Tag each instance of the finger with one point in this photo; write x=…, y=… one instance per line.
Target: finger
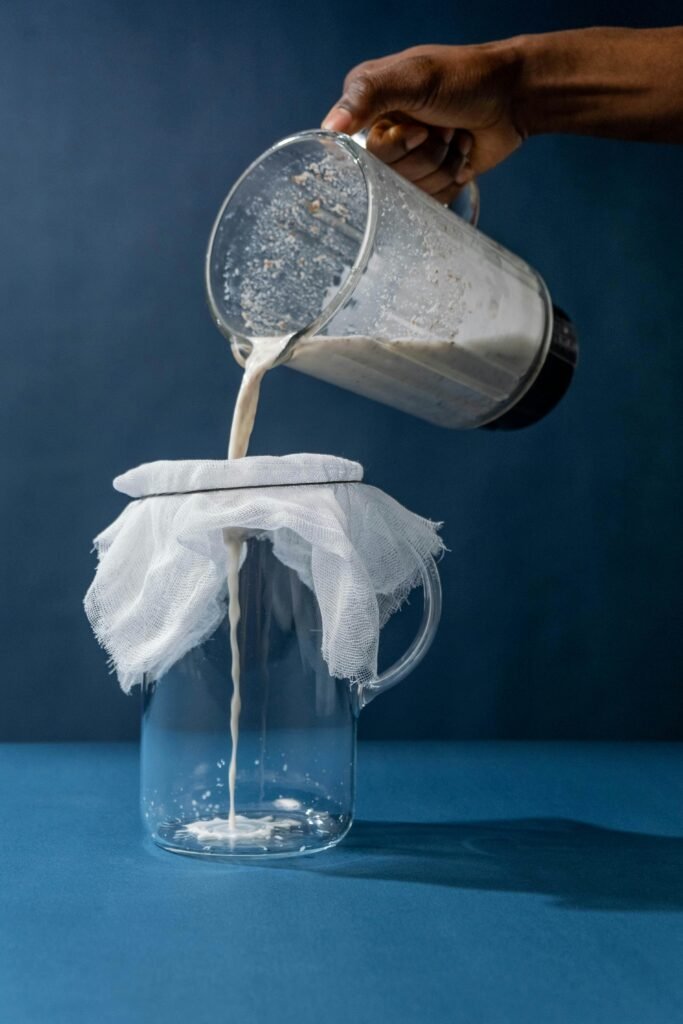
x=435, y=182
x=390, y=142
x=424, y=160
x=466, y=174
x=339, y=120
x=453, y=164
x=446, y=134
x=404, y=82
x=449, y=194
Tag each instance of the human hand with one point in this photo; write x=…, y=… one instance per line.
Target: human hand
x=440, y=115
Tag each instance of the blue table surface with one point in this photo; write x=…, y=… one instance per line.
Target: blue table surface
x=482, y=882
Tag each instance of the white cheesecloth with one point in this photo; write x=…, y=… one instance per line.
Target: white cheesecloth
x=160, y=586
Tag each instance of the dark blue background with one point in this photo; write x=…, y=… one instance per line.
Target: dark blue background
x=122, y=127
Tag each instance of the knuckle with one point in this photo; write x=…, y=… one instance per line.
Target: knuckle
x=360, y=85
x=377, y=139
x=424, y=70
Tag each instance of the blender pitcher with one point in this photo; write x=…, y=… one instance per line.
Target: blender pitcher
x=296, y=751
x=382, y=290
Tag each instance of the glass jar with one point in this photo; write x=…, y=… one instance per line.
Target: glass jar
x=296, y=749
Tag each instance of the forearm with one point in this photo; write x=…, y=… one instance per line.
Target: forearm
x=609, y=82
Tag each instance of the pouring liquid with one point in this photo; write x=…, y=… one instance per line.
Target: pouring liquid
x=263, y=356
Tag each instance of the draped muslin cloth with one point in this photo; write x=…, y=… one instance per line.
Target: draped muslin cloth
x=160, y=585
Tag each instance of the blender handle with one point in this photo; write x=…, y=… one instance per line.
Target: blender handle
x=466, y=204
x=431, y=587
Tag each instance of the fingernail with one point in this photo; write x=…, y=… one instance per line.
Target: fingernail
x=338, y=120
x=414, y=137
x=446, y=134
x=465, y=143
x=464, y=175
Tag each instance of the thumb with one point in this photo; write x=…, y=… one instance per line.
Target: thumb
x=378, y=88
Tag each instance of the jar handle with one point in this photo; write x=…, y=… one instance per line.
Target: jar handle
x=431, y=588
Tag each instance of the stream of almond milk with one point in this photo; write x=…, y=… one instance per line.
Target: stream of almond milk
x=262, y=358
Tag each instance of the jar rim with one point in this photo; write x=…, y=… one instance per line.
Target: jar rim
x=241, y=343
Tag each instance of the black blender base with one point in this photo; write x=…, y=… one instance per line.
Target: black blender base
x=552, y=381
